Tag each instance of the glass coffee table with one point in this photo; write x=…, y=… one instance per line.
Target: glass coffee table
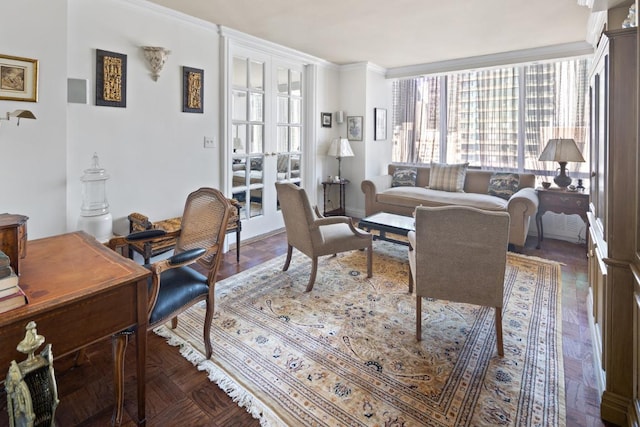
x=388, y=223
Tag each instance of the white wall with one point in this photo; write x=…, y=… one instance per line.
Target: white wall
x=33, y=155
x=363, y=87
x=153, y=151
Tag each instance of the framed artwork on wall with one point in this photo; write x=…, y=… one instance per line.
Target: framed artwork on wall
x=380, y=129
x=354, y=128
x=192, y=90
x=111, y=79
x=18, y=78
x=326, y=120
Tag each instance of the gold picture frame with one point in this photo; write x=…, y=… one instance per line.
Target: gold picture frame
x=111, y=79
x=18, y=78
x=192, y=90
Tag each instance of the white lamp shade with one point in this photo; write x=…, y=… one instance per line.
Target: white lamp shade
x=561, y=150
x=340, y=147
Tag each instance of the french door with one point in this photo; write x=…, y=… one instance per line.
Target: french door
x=265, y=139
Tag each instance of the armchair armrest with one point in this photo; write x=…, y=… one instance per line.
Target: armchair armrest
x=328, y=220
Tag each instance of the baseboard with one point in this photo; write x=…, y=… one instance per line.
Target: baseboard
x=613, y=408
x=596, y=340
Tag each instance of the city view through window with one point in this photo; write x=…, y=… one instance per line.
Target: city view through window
x=497, y=119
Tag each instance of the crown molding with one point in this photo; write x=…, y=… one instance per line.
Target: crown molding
x=565, y=50
x=271, y=48
x=154, y=7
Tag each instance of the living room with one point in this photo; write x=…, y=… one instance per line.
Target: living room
x=152, y=151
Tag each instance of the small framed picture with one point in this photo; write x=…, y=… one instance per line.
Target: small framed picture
x=111, y=79
x=18, y=79
x=354, y=128
x=192, y=90
x=326, y=120
x=380, y=129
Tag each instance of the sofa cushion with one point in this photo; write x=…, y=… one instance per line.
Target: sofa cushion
x=415, y=196
x=448, y=177
x=404, y=177
x=503, y=184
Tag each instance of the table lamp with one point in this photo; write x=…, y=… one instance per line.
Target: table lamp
x=561, y=151
x=340, y=148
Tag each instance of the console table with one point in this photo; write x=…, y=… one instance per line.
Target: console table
x=560, y=201
x=79, y=292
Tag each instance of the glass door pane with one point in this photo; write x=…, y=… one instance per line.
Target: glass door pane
x=247, y=132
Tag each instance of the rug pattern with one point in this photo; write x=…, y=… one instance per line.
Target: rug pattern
x=345, y=354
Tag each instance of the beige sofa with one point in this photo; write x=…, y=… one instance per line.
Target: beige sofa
x=380, y=196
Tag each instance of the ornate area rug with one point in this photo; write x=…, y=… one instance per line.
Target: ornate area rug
x=345, y=354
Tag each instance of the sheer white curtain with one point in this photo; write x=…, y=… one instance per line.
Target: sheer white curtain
x=498, y=119
x=556, y=108
x=482, y=118
x=416, y=116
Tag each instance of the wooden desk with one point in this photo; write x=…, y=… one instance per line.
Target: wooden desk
x=79, y=292
x=560, y=201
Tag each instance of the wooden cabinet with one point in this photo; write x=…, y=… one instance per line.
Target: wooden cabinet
x=613, y=218
x=13, y=238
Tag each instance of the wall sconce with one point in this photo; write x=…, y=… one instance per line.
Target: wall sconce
x=340, y=117
x=156, y=57
x=20, y=114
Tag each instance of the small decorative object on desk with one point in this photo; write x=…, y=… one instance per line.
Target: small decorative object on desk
x=11, y=295
x=546, y=185
x=32, y=394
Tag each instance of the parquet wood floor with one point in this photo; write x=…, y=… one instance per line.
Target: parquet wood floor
x=179, y=395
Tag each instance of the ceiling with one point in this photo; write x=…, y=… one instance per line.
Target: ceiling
x=397, y=33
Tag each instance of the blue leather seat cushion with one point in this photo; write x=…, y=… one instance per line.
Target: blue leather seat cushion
x=178, y=287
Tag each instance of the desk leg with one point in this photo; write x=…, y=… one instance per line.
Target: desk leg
x=141, y=349
x=540, y=230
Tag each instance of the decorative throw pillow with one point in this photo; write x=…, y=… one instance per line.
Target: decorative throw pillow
x=404, y=177
x=503, y=184
x=448, y=177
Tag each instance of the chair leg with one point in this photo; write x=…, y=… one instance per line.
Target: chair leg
x=418, y=318
x=288, y=260
x=208, y=318
x=237, y=244
x=314, y=270
x=119, y=347
x=174, y=322
x=370, y=260
x=499, y=331
x=410, y=281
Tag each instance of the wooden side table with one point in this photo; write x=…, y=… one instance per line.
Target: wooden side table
x=560, y=201
x=326, y=186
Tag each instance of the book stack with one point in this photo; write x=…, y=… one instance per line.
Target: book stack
x=11, y=295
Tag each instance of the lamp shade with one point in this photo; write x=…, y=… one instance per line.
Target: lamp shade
x=561, y=150
x=340, y=147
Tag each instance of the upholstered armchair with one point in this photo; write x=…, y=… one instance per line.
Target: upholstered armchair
x=315, y=235
x=174, y=285
x=459, y=254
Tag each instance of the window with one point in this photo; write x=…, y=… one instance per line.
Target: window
x=498, y=119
